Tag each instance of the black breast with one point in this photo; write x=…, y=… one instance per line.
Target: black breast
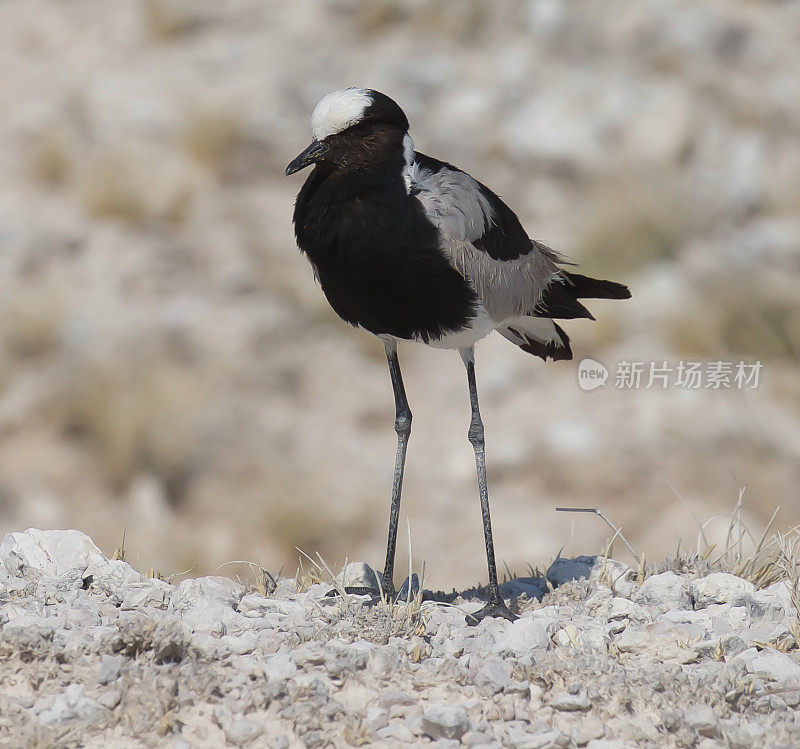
x=377, y=256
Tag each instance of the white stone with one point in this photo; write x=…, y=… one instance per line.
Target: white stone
x=594, y=638
x=494, y=676
x=150, y=592
x=376, y=718
x=207, y=592
x=253, y=605
x=445, y=722
x=240, y=732
x=73, y=703
x=664, y=592
x=240, y=644
x=620, y=577
x=719, y=588
x=522, y=636
x=623, y=608
x=570, y=703
x=110, y=698
x=279, y=666
x=775, y=665
x=703, y=719
x=110, y=668
x=46, y=552
x=588, y=729
x=608, y=744
x=632, y=640
x=112, y=576
x=358, y=575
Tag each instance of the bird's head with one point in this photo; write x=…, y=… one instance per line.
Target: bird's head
x=353, y=128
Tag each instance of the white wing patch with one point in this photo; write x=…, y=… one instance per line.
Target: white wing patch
x=452, y=200
x=456, y=205
x=539, y=329
x=339, y=110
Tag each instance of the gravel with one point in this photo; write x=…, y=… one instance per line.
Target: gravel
x=672, y=662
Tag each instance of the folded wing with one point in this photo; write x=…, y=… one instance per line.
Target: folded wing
x=519, y=281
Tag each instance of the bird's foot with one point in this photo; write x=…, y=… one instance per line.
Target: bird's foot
x=495, y=607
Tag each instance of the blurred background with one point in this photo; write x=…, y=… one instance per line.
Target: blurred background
x=168, y=365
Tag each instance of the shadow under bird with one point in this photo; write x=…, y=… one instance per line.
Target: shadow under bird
x=411, y=248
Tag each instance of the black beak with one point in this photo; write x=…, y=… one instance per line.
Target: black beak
x=311, y=155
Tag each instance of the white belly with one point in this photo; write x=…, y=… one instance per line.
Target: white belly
x=480, y=326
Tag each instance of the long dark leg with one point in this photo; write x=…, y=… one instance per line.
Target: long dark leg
x=402, y=425
x=495, y=606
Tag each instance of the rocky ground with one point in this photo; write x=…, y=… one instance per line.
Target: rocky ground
x=96, y=654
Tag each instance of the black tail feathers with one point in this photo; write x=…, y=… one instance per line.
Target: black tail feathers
x=584, y=287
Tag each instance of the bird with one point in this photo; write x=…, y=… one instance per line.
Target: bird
x=411, y=248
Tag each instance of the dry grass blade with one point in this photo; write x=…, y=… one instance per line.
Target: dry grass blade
x=119, y=551
x=689, y=510
x=788, y=562
x=322, y=569
x=265, y=582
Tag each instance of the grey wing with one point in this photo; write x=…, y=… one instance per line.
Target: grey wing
x=484, y=239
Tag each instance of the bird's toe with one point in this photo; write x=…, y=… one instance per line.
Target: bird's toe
x=496, y=608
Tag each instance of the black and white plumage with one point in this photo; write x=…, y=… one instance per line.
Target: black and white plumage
x=412, y=248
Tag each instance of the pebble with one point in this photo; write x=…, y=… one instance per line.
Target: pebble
x=376, y=718
x=278, y=667
x=776, y=666
x=664, y=591
x=570, y=703
x=240, y=732
x=633, y=639
x=522, y=636
x=110, y=667
x=588, y=729
x=719, y=588
x=358, y=575
x=493, y=677
x=620, y=577
x=445, y=722
x=703, y=719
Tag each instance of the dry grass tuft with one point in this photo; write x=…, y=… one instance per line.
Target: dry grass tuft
x=787, y=560
x=763, y=560
x=260, y=580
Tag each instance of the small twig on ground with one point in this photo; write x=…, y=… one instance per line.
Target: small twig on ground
x=602, y=516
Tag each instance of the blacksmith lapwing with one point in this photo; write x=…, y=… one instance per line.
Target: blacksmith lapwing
x=411, y=248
